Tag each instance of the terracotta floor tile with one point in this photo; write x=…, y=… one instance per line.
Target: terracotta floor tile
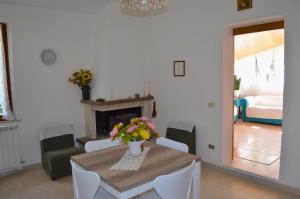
x=258, y=142
x=215, y=184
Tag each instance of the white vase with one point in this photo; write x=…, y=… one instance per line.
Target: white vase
x=236, y=93
x=135, y=148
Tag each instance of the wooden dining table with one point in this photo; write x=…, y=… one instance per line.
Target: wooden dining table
x=122, y=184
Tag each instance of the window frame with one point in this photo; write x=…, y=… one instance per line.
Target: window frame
x=6, y=59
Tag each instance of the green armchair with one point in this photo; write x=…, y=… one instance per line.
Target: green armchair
x=56, y=151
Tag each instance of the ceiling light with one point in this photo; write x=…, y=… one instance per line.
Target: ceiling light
x=143, y=5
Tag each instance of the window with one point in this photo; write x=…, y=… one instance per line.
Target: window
x=5, y=84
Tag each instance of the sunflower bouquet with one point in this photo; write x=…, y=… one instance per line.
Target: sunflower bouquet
x=139, y=129
x=82, y=78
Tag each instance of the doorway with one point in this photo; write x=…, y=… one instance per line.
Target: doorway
x=258, y=98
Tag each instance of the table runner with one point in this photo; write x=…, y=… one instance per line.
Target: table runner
x=129, y=162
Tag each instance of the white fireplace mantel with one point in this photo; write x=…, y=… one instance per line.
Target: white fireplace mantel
x=90, y=108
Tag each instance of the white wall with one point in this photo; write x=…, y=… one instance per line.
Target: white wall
x=193, y=30
x=123, y=53
x=43, y=96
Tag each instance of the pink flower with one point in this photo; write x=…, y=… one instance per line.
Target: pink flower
x=145, y=119
x=151, y=125
x=131, y=129
x=114, y=132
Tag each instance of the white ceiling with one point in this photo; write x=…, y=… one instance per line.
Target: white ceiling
x=86, y=6
x=251, y=43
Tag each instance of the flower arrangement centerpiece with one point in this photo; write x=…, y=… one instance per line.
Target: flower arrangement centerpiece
x=82, y=78
x=134, y=134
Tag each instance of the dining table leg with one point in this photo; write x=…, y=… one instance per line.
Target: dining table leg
x=197, y=181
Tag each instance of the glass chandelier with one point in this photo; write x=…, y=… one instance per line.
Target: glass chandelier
x=143, y=5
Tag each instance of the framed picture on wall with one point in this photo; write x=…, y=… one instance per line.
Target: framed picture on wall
x=244, y=4
x=179, y=68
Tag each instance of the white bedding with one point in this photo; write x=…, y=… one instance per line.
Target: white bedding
x=268, y=112
x=264, y=106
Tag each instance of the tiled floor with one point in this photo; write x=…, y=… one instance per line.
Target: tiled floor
x=35, y=184
x=259, y=142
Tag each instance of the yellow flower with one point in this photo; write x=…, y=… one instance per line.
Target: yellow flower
x=86, y=76
x=135, y=134
x=135, y=120
x=76, y=74
x=144, y=134
x=118, y=126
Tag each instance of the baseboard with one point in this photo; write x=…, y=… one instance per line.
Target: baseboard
x=257, y=179
x=32, y=166
x=5, y=172
x=19, y=169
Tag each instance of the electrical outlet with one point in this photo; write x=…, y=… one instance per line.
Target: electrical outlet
x=211, y=146
x=211, y=105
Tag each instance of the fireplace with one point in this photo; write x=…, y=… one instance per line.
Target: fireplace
x=106, y=120
x=100, y=117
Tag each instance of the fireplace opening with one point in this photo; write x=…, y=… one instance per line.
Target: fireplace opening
x=105, y=120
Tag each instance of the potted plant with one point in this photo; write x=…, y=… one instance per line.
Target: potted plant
x=237, y=84
x=134, y=134
x=82, y=78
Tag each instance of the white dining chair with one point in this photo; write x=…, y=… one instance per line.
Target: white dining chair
x=172, y=186
x=86, y=184
x=100, y=144
x=172, y=144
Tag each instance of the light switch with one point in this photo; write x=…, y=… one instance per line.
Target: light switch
x=211, y=105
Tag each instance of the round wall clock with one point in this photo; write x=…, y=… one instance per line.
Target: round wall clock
x=48, y=56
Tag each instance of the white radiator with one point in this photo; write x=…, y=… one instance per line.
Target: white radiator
x=10, y=158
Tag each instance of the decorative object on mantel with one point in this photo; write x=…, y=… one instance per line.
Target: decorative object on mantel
x=134, y=134
x=147, y=90
x=48, y=56
x=179, y=68
x=137, y=95
x=244, y=4
x=143, y=5
x=82, y=79
x=100, y=100
x=154, y=112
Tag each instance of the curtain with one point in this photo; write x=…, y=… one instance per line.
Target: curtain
x=4, y=98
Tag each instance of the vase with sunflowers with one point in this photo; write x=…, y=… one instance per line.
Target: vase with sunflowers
x=134, y=134
x=82, y=78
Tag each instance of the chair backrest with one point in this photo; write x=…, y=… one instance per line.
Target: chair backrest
x=100, y=144
x=57, y=137
x=175, y=186
x=57, y=143
x=184, y=132
x=172, y=144
x=85, y=183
